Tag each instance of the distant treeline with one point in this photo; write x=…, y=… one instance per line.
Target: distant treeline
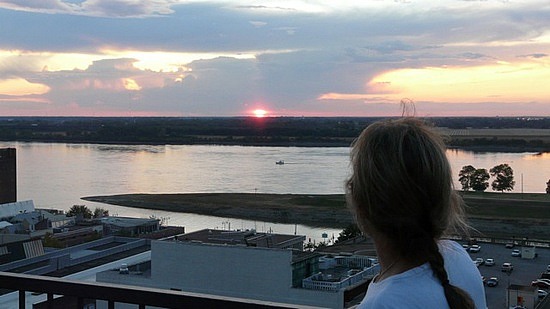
x=272, y=131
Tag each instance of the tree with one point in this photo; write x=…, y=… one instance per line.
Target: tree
x=504, y=178
x=479, y=180
x=465, y=177
x=548, y=187
x=79, y=211
x=348, y=232
x=100, y=212
x=52, y=242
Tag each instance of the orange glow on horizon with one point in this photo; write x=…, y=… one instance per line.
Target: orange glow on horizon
x=501, y=81
x=20, y=87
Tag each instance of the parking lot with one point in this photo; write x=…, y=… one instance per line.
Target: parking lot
x=525, y=270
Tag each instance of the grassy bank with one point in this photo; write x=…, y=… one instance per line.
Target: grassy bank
x=493, y=214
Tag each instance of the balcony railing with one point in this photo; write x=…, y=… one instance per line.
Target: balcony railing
x=116, y=293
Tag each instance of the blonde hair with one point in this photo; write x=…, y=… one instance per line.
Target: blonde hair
x=402, y=186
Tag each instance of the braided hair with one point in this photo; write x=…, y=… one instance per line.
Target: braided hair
x=402, y=186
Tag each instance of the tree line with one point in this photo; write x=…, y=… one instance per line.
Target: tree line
x=477, y=179
x=272, y=131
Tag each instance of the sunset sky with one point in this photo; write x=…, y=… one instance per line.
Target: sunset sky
x=287, y=58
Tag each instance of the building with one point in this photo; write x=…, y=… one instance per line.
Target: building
x=126, y=226
x=9, y=210
x=241, y=264
x=519, y=295
x=8, y=176
x=528, y=252
x=249, y=238
x=32, y=223
x=19, y=247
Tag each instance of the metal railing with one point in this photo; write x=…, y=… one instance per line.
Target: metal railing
x=117, y=293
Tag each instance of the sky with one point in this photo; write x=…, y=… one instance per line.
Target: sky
x=274, y=58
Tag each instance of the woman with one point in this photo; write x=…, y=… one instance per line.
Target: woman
x=402, y=195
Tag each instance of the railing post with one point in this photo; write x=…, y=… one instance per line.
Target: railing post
x=50, y=301
x=21, y=299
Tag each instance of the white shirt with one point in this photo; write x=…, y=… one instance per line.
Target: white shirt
x=419, y=287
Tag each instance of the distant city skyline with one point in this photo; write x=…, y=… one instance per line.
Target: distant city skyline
x=274, y=58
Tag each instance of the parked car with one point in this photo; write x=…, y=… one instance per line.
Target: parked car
x=507, y=267
x=542, y=293
x=541, y=283
x=489, y=262
x=475, y=248
x=479, y=261
x=492, y=282
x=123, y=269
x=516, y=252
x=509, y=245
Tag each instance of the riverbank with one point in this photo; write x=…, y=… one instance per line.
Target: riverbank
x=491, y=214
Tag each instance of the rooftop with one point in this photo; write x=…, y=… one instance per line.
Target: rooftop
x=360, y=245
x=249, y=238
x=128, y=221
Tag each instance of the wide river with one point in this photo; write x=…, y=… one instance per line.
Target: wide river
x=57, y=175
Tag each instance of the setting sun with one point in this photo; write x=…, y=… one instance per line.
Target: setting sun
x=259, y=113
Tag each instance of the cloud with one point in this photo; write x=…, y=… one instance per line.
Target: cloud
x=47, y=6
x=223, y=57
x=535, y=55
x=128, y=8
x=98, y=8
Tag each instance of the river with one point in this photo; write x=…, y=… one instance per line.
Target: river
x=57, y=175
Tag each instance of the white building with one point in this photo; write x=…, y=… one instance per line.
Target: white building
x=9, y=210
x=240, y=270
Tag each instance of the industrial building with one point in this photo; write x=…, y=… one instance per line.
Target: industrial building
x=241, y=264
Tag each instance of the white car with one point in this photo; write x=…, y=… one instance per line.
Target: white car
x=492, y=282
x=475, y=248
x=516, y=252
x=123, y=269
x=489, y=262
x=479, y=261
x=507, y=267
x=541, y=283
x=542, y=293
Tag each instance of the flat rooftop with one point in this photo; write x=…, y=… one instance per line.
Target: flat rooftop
x=249, y=238
x=360, y=245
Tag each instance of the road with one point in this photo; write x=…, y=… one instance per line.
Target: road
x=525, y=270
x=11, y=300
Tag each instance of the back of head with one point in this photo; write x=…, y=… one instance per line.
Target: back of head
x=402, y=187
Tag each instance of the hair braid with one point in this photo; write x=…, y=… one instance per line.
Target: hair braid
x=456, y=297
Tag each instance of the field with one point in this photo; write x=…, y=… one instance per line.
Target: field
x=491, y=214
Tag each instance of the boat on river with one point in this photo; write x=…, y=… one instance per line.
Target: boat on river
x=280, y=162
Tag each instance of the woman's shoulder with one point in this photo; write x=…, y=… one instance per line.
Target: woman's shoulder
x=451, y=247
x=412, y=289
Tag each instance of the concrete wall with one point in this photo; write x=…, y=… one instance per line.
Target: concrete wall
x=221, y=268
x=235, y=271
